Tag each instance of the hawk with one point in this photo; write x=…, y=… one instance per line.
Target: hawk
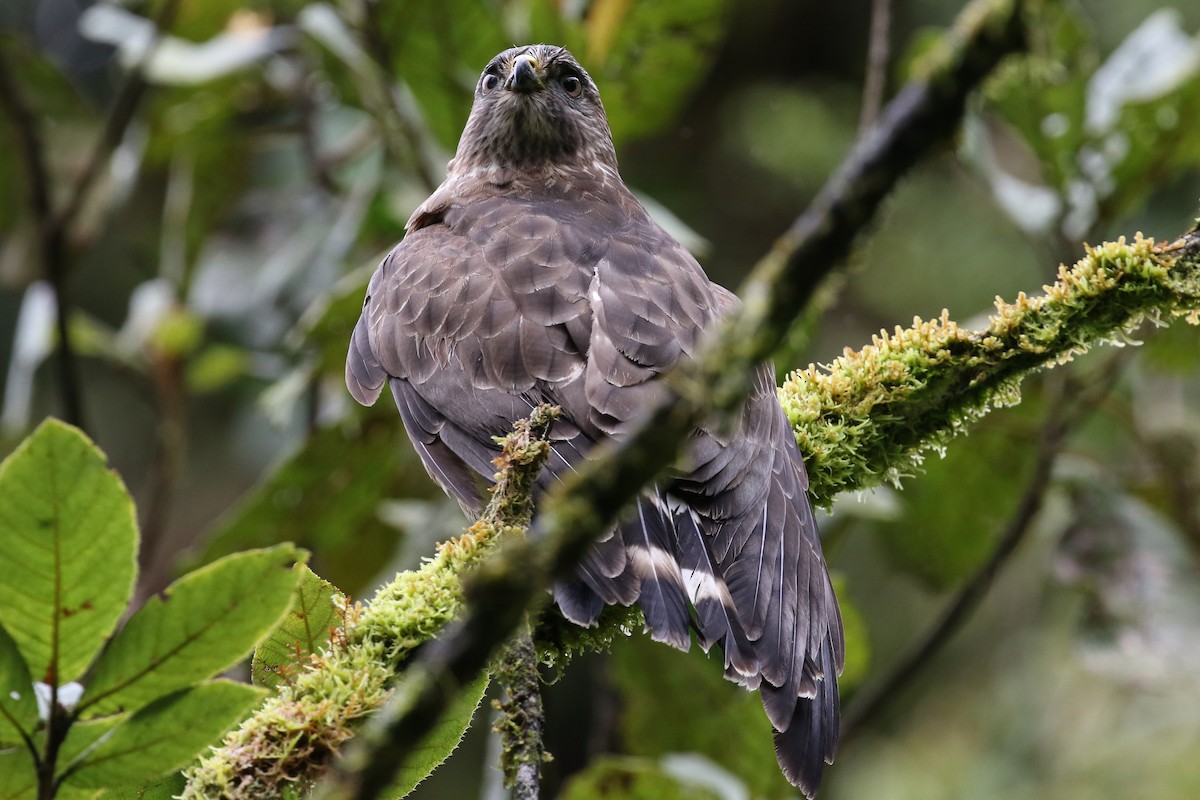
x=532, y=275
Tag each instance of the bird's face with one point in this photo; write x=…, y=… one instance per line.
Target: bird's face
x=536, y=107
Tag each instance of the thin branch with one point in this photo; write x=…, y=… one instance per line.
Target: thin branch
x=124, y=107
x=869, y=704
x=52, y=240
x=28, y=130
x=521, y=724
x=170, y=453
x=878, y=52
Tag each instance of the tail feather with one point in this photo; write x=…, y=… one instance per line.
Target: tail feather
x=811, y=738
x=651, y=552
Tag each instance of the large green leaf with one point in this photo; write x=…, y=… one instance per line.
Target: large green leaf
x=164, y=736
x=202, y=624
x=441, y=740
x=309, y=624
x=18, y=706
x=159, y=789
x=954, y=511
x=612, y=778
x=679, y=702
x=18, y=779
x=68, y=545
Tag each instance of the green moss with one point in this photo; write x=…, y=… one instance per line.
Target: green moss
x=872, y=415
x=290, y=740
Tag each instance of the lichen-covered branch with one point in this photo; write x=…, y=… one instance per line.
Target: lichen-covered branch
x=521, y=724
x=289, y=741
x=871, y=415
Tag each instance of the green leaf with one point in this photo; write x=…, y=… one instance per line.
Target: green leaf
x=68, y=543
x=200, y=625
x=680, y=702
x=308, y=626
x=623, y=778
x=159, y=789
x=441, y=741
x=164, y=736
x=18, y=706
x=954, y=512
x=18, y=778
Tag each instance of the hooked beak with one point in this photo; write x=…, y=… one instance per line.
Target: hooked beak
x=525, y=77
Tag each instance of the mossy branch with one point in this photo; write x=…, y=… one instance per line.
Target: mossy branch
x=871, y=416
x=290, y=740
x=521, y=723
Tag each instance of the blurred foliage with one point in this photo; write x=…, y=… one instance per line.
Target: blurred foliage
x=218, y=262
x=726, y=727
x=633, y=779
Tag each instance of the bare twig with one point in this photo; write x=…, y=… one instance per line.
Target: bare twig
x=166, y=372
x=878, y=51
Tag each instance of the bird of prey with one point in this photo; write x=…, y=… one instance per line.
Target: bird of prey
x=532, y=275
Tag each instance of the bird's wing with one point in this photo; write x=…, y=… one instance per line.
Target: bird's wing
x=473, y=319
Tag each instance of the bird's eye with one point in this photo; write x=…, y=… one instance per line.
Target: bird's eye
x=572, y=85
x=490, y=81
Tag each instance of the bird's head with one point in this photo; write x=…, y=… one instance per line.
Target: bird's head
x=536, y=108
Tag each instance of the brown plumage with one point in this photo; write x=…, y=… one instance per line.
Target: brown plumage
x=532, y=275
